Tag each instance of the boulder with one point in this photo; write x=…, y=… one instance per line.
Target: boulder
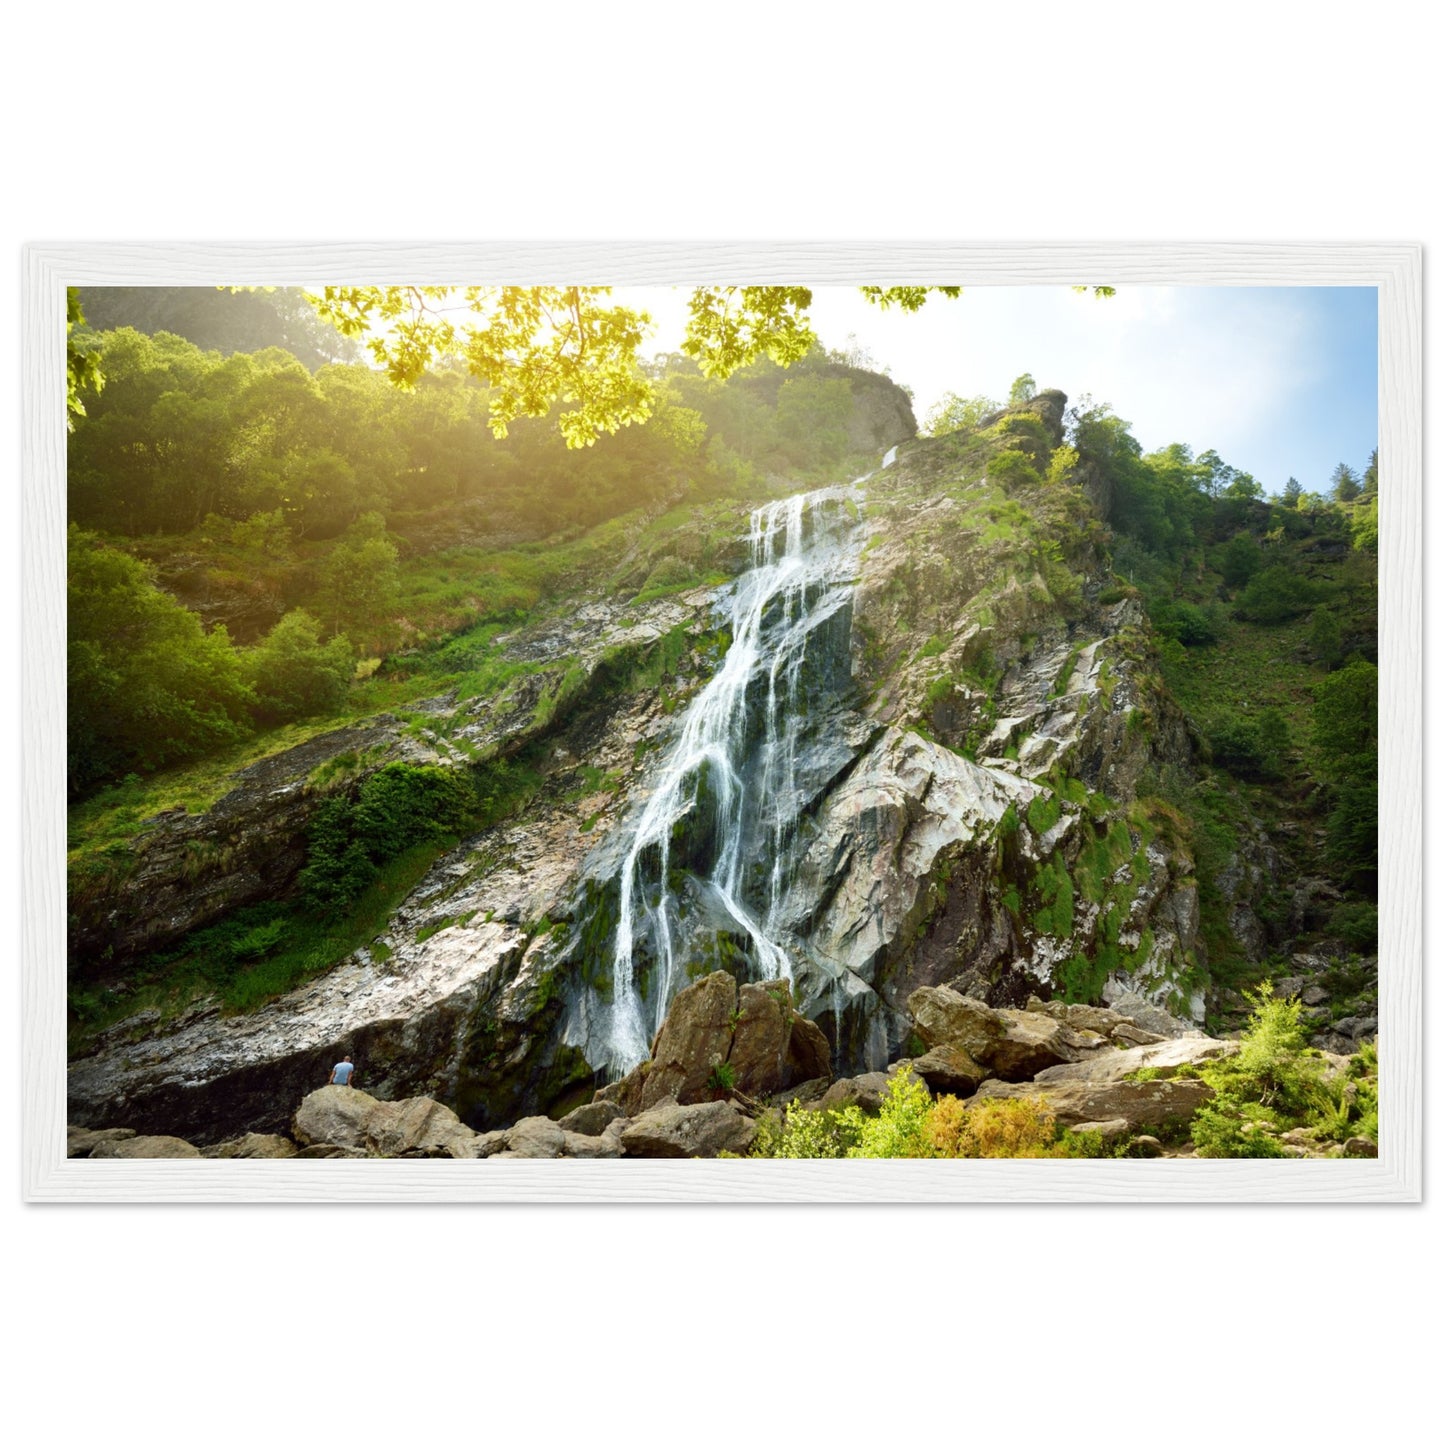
x=1109, y=1130
x=1132, y=1034
x=805, y=1093
x=626, y=1092
x=253, y=1146
x=353, y=1119
x=1146, y=1014
x=1145, y=1146
x=591, y=1118
x=947, y=1069
x=1144, y=1105
x=867, y=1091
x=1360, y=1148
x=688, y=1131
x=79, y=1142
x=1315, y=995
x=941, y=1016
x=331, y=1151
x=588, y=1146
x=758, y=1056
x=694, y=1040
x=484, y=1146
x=334, y=1115
x=1167, y=1057
x=810, y=1059
x=536, y=1138
x=1012, y=1043
x=419, y=1126
x=145, y=1146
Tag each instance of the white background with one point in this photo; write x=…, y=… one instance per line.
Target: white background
x=332, y=122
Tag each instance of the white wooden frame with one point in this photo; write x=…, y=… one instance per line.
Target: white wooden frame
x=1395, y=269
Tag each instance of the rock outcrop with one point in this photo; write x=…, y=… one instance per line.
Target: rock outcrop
x=720, y=1038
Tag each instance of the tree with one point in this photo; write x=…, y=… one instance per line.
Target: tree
x=294, y=674
x=359, y=577
x=1370, y=482
x=542, y=347
x=1290, y=497
x=1344, y=484
x=147, y=685
x=1022, y=390
x=82, y=365
x=952, y=412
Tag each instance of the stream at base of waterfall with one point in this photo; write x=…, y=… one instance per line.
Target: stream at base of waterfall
x=725, y=803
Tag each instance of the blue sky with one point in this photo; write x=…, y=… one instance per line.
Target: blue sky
x=1280, y=381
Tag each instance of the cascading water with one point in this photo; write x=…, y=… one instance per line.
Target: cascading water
x=735, y=762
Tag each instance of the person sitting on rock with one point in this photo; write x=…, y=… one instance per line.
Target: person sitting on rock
x=341, y=1074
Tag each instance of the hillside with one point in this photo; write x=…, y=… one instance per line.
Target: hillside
x=1019, y=714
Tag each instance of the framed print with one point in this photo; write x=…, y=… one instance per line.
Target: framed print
x=684, y=722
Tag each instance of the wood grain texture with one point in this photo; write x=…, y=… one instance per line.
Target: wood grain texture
x=1394, y=268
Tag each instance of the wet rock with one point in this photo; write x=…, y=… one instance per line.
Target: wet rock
x=688, y=1131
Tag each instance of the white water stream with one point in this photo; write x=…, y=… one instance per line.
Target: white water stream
x=742, y=766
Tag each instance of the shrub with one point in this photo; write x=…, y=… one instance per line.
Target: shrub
x=1276, y=595
x=294, y=674
x=1239, y=559
x=1275, y=1079
x=991, y=1129
x=1185, y=623
x=1012, y=468
x=808, y=1133
x=1358, y=925
x=396, y=808
x=898, y=1130
x=1251, y=749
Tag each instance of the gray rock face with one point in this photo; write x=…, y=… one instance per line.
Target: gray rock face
x=688, y=1131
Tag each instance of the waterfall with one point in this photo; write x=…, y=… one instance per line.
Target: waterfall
x=734, y=766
